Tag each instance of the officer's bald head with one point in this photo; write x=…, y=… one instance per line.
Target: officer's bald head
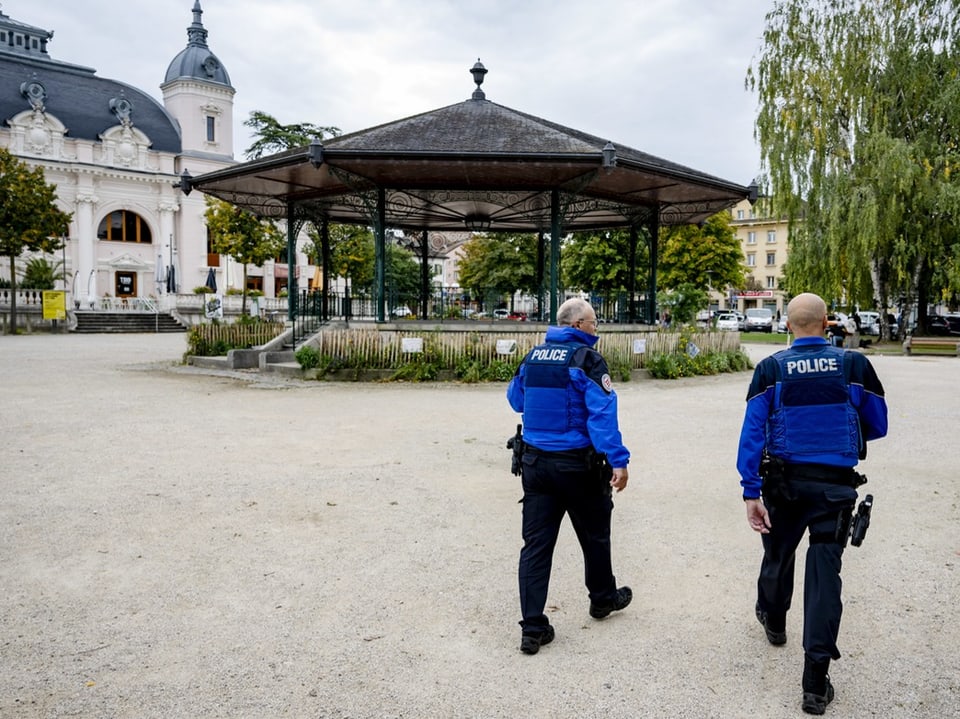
x=807, y=315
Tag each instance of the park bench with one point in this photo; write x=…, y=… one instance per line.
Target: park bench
x=932, y=345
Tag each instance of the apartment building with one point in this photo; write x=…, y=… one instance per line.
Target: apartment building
x=763, y=239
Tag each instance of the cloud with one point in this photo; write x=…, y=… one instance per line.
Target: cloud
x=662, y=76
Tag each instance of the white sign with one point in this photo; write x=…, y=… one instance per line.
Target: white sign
x=213, y=308
x=640, y=346
x=506, y=347
x=411, y=344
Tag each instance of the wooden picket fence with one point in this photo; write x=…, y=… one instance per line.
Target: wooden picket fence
x=211, y=340
x=389, y=349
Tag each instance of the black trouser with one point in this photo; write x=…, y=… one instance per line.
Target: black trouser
x=555, y=483
x=816, y=505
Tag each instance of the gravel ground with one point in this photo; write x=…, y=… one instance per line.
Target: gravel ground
x=181, y=543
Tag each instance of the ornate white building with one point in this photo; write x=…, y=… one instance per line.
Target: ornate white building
x=115, y=155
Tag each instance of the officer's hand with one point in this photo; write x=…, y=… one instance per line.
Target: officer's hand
x=757, y=516
x=619, y=480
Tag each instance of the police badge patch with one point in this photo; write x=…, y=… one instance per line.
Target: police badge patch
x=606, y=383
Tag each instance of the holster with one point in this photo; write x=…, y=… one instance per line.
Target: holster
x=600, y=467
x=517, y=444
x=775, y=483
x=844, y=522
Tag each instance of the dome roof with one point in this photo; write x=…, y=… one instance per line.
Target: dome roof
x=195, y=61
x=86, y=104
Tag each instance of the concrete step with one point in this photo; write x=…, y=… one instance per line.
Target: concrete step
x=90, y=322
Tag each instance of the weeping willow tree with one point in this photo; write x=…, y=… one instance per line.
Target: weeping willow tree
x=859, y=132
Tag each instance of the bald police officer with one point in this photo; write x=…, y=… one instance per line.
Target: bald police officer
x=574, y=457
x=811, y=409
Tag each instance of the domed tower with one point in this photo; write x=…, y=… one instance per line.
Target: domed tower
x=198, y=93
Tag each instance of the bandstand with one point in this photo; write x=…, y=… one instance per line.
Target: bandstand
x=478, y=166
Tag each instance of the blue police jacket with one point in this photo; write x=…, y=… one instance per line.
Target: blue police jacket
x=810, y=404
x=564, y=391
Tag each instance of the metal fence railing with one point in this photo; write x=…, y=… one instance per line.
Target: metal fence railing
x=441, y=306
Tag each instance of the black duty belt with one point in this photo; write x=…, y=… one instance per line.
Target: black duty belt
x=581, y=453
x=821, y=473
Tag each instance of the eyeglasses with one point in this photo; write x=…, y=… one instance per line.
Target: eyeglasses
x=593, y=321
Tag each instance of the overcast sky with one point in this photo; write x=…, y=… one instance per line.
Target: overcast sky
x=662, y=76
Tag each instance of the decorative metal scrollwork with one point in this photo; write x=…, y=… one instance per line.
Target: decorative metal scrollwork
x=681, y=213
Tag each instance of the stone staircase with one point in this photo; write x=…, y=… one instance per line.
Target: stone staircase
x=90, y=322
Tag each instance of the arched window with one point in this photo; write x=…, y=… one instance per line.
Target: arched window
x=124, y=226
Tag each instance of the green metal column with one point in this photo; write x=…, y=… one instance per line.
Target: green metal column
x=292, y=226
x=540, y=271
x=554, y=254
x=380, y=254
x=424, y=274
x=654, y=229
x=325, y=260
x=632, y=274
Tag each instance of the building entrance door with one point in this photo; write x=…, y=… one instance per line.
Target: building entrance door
x=125, y=284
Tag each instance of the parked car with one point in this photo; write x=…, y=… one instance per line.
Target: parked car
x=501, y=314
x=759, y=319
x=727, y=321
x=782, y=325
x=940, y=325
x=401, y=311
x=517, y=316
x=741, y=321
x=869, y=323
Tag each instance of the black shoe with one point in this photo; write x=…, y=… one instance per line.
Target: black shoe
x=817, y=703
x=817, y=689
x=531, y=643
x=622, y=598
x=774, y=626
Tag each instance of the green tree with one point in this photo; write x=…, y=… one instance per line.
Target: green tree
x=29, y=217
x=273, y=137
x=599, y=262
x=501, y=263
x=352, y=257
x=683, y=302
x=242, y=235
x=352, y=254
x=859, y=131
x=707, y=256
x=402, y=275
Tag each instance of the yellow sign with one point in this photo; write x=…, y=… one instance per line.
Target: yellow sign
x=54, y=305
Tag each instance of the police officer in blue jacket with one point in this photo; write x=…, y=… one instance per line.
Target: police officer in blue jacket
x=574, y=457
x=810, y=411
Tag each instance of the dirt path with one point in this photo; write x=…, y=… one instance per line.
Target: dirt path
x=181, y=544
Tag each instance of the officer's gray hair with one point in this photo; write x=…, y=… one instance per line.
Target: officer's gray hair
x=572, y=311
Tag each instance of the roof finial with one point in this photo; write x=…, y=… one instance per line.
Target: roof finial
x=478, y=71
x=197, y=33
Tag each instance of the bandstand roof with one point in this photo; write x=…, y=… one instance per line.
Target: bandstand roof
x=473, y=165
